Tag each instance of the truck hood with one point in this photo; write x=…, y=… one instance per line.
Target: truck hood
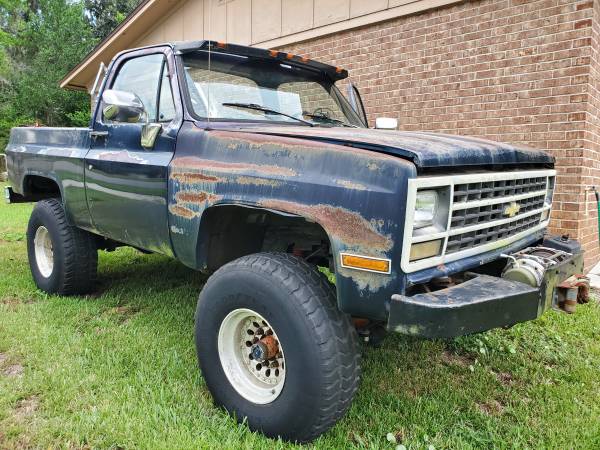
x=425, y=149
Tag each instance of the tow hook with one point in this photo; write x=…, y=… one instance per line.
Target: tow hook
x=575, y=289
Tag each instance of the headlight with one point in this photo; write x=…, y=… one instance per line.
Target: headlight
x=426, y=206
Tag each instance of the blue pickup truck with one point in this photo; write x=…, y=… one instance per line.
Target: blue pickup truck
x=251, y=165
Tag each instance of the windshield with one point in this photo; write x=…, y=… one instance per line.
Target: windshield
x=253, y=89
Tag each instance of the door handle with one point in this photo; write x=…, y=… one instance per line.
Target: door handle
x=98, y=134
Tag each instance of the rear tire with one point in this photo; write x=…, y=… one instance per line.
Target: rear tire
x=63, y=259
x=274, y=295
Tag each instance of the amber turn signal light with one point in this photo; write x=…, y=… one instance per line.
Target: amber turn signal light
x=379, y=265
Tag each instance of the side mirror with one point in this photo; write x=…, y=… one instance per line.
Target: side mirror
x=386, y=123
x=121, y=106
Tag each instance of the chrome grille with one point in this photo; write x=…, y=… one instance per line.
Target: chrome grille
x=464, y=241
x=501, y=188
x=486, y=211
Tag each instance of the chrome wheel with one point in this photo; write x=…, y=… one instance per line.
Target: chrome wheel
x=44, y=253
x=251, y=356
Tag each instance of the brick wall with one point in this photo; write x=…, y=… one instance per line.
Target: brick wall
x=519, y=71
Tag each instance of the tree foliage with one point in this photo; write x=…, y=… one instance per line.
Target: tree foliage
x=40, y=41
x=105, y=15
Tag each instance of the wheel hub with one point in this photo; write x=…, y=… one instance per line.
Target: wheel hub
x=251, y=356
x=265, y=349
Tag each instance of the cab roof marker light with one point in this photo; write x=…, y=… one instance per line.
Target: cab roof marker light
x=366, y=263
x=221, y=45
x=273, y=53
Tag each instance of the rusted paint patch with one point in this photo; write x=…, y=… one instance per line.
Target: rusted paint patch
x=351, y=185
x=258, y=181
x=193, y=177
x=190, y=162
x=348, y=226
x=366, y=280
x=245, y=140
x=120, y=156
x=196, y=197
x=182, y=211
x=275, y=141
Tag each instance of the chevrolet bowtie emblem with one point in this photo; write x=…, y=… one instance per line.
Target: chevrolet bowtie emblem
x=512, y=210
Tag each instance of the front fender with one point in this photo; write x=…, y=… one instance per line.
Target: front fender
x=356, y=196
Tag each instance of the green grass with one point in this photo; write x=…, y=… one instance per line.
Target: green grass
x=118, y=370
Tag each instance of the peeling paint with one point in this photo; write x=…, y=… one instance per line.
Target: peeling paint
x=191, y=162
x=258, y=181
x=121, y=156
x=192, y=177
x=196, y=197
x=425, y=149
x=182, y=211
x=351, y=185
x=347, y=226
x=366, y=280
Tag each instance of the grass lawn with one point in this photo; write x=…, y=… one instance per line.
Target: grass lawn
x=118, y=370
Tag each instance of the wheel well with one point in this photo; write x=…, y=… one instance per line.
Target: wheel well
x=40, y=187
x=229, y=232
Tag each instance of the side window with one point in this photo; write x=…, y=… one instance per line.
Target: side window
x=141, y=76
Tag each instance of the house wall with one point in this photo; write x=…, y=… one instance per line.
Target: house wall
x=274, y=22
x=510, y=70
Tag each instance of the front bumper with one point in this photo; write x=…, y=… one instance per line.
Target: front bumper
x=481, y=303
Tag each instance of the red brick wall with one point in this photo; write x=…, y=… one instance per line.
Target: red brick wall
x=591, y=150
x=510, y=70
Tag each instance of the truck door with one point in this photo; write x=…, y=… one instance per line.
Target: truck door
x=126, y=184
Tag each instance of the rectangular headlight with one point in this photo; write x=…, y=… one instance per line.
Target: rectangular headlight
x=426, y=206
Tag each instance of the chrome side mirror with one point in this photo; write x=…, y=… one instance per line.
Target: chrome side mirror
x=121, y=106
x=386, y=123
x=127, y=107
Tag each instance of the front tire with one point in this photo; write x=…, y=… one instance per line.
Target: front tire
x=273, y=347
x=63, y=259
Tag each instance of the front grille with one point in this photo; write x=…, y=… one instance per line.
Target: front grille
x=464, y=241
x=486, y=211
x=482, y=202
x=501, y=188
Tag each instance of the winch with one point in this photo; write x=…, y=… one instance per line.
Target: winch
x=529, y=265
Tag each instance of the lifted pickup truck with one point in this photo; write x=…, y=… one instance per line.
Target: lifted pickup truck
x=251, y=165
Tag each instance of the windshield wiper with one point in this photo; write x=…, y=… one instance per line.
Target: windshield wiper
x=329, y=119
x=264, y=109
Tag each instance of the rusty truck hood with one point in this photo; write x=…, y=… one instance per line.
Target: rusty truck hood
x=426, y=150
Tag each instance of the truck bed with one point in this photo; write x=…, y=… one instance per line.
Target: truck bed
x=55, y=153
